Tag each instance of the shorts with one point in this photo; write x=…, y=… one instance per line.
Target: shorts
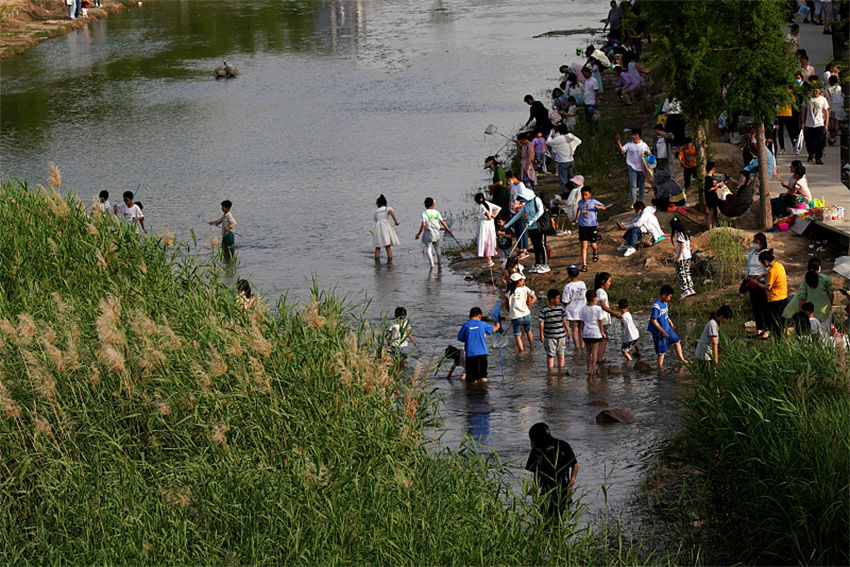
x=588, y=233
x=712, y=201
x=662, y=344
x=591, y=341
x=555, y=347
x=228, y=239
x=575, y=324
x=627, y=347
x=521, y=325
x=476, y=367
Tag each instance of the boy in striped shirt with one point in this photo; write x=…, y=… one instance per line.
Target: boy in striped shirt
x=553, y=330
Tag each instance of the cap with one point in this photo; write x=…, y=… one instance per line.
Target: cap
x=572, y=270
x=516, y=276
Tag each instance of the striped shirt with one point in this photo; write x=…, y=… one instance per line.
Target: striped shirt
x=553, y=321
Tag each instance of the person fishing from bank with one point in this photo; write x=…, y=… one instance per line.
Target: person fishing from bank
x=555, y=469
x=563, y=145
x=227, y=223
x=573, y=299
x=553, y=330
x=526, y=151
x=499, y=190
x=103, y=203
x=130, y=212
x=473, y=334
x=517, y=303
x=708, y=346
x=530, y=212
x=429, y=231
x=384, y=235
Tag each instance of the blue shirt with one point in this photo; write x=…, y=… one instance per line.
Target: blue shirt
x=587, y=212
x=473, y=335
x=659, y=312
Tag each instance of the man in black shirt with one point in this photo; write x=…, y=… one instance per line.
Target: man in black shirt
x=540, y=114
x=555, y=469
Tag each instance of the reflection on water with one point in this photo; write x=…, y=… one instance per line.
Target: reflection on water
x=336, y=102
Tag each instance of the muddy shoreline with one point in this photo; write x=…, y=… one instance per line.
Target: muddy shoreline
x=26, y=23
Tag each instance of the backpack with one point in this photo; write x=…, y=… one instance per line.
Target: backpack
x=545, y=223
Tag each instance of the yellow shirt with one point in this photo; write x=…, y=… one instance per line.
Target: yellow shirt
x=777, y=283
x=785, y=109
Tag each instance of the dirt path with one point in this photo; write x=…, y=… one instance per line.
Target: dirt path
x=25, y=23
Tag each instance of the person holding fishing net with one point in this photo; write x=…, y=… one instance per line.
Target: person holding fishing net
x=227, y=223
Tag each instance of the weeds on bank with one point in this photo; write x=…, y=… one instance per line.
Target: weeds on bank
x=147, y=416
x=770, y=427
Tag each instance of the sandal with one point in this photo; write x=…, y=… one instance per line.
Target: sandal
x=595, y=257
x=584, y=267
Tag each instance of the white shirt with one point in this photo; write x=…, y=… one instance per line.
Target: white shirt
x=646, y=221
x=630, y=332
x=634, y=154
x=563, y=146
x=518, y=303
x=129, y=214
x=590, y=89
x=602, y=295
x=516, y=190
x=397, y=339
x=705, y=350
x=661, y=149
x=591, y=314
x=814, y=112
x=574, y=299
x=683, y=247
x=754, y=267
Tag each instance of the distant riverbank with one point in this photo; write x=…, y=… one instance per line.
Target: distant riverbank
x=25, y=23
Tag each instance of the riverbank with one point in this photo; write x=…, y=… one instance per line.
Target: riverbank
x=26, y=23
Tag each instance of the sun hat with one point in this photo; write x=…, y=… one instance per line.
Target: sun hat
x=526, y=194
x=572, y=270
x=516, y=276
x=578, y=179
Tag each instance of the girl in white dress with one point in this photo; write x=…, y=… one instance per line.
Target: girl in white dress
x=384, y=235
x=486, y=228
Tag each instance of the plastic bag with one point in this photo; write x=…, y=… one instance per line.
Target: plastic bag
x=799, y=145
x=722, y=120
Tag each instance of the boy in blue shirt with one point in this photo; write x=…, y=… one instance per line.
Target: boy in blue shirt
x=587, y=225
x=473, y=335
x=662, y=328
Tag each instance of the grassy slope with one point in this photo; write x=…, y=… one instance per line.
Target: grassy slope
x=145, y=416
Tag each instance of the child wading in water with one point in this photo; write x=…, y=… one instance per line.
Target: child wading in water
x=683, y=257
x=662, y=328
x=593, y=330
x=429, y=231
x=630, y=332
x=473, y=335
x=588, y=225
x=518, y=302
x=131, y=212
x=399, y=334
x=384, y=235
x=573, y=298
x=707, y=347
x=601, y=283
x=227, y=223
x=555, y=469
x=553, y=330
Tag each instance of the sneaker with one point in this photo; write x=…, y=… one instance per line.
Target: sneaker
x=534, y=269
x=622, y=247
x=629, y=251
x=687, y=293
x=544, y=269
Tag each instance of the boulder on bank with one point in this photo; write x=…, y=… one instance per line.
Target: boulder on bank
x=614, y=416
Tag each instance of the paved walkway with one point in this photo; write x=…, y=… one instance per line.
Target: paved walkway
x=824, y=180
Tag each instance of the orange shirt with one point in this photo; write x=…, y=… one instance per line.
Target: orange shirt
x=688, y=157
x=777, y=283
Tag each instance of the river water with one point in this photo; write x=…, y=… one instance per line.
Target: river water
x=336, y=103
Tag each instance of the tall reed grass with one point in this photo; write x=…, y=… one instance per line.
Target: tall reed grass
x=770, y=426
x=146, y=416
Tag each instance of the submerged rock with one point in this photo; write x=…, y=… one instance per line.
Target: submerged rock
x=614, y=416
x=600, y=403
x=642, y=366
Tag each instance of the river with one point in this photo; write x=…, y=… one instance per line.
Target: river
x=336, y=103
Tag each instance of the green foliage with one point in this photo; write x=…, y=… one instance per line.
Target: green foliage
x=770, y=425
x=147, y=415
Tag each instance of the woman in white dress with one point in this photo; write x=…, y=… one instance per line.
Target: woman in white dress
x=384, y=235
x=487, y=211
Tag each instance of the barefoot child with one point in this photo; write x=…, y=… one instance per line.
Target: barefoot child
x=227, y=223
x=384, y=235
x=588, y=225
x=518, y=301
x=456, y=356
x=399, y=333
x=662, y=329
x=573, y=298
x=593, y=331
x=553, y=330
x=630, y=332
x=601, y=283
x=429, y=231
x=707, y=347
x=473, y=335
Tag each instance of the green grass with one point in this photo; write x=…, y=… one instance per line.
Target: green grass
x=146, y=416
x=770, y=428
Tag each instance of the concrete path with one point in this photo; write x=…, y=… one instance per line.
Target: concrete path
x=824, y=180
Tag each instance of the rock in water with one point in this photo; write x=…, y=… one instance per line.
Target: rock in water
x=614, y=370
x=642, y=366
x=614, y=416
x=600, y=403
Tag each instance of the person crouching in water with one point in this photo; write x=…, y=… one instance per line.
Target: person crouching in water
x=555, y=469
